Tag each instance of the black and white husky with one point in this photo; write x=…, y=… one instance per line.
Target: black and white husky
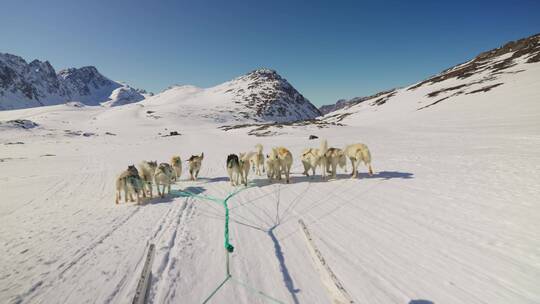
x=129, y=182
x=234, y=169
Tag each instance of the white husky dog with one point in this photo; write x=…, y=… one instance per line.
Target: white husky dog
x=333, y=158
x=146, y=170
x=195, y=162
x=176, y=164
x=163, y=176
x=257, y=159
x=245, y=160
x=357, y=153
x=234, y=169
x=313, y=158
x=272, y=167
x=280, y=160
x=129, y=181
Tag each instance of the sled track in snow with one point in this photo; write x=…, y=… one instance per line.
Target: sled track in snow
x=98, y=241
x=169, y=239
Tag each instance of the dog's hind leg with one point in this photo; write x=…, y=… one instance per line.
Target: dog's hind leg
x=356, y=164
x=370, y=169
x=333, y=169
x=288, y=168
x=306, y=168
x=353, y=167
x=125, y=194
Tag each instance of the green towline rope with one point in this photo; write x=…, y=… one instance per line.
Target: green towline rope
x=228, y=246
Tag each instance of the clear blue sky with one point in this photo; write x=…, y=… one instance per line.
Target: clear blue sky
x=326, y=49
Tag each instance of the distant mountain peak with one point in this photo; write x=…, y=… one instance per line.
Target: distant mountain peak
x=261, y=95
x=33, y=84
x=264, y=71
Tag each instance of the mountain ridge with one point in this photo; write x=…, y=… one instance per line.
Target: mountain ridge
x=34, y=84
x=528, y=47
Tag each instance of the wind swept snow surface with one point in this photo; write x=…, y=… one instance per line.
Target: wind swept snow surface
x=451, y=214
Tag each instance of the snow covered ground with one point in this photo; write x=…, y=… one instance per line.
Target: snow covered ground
x=451, y=215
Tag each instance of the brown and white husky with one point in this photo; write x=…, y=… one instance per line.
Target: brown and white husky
x=245, y=161
x=176, y=164
x=280, y=159
x=163, y=176
x=333, y=158
x=313, y=158
x=257, y=159
x=195, y=162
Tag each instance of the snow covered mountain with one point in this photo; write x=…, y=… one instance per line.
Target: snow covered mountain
x=24, y=85
x=504, y=70
x=259, y=96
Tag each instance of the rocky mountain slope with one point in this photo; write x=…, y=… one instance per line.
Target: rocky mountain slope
x=24, y=85
x=490, y=71
x=259, y=96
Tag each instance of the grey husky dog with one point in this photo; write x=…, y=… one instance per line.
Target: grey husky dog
x=147, y=170
x=234, y=169
x=129, y=181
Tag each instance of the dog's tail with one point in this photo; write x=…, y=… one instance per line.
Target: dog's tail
x=232, y=160
x=324, y=146
x=259, y=148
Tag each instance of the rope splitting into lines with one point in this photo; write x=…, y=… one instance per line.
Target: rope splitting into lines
x=229, y=248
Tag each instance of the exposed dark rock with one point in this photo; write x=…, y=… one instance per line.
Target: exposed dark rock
x=20, y=124
x=529, y=47
x=485, y=89
x=269, y=97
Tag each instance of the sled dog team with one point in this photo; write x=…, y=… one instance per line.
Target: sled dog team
x=139, y=180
